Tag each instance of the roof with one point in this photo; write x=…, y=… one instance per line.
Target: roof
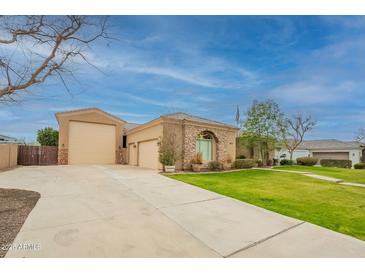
x=330, y=144
x=90, y=109
x=129, y=126
x=8, y=139
x=189, y=117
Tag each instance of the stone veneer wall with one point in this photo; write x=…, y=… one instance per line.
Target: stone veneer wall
x=62, y=156
x=192, y=132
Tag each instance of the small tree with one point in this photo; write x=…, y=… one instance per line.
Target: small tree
x=360, y=137
x=168, y=153
x=298, y=126
x=264, y=125
x=47, y=137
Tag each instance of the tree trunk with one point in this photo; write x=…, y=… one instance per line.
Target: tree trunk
x=291, y=155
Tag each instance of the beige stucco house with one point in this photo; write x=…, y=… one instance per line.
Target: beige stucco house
x=92, y=136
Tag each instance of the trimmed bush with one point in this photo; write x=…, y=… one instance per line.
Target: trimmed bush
x=336, y=163
x=286, y=162
x=269, y=162
x=244, y=163
x=214, y=165
x=359, y=166
x=241, y=157
x=307, y=161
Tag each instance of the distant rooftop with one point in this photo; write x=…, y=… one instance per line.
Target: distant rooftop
x=189, y=117
x=330, y=144
x=129, y=126
x=7, y=139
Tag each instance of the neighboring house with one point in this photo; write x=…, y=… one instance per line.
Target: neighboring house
x=326, y=149
x=8, y=140
x=92, y=136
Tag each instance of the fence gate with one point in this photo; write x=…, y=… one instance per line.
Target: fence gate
x=37, y=155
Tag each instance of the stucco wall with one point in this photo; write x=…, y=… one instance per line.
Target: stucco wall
x=85, y=116
x=8, y=155
x=225, y=142
x=143, y=133
x=296, y=154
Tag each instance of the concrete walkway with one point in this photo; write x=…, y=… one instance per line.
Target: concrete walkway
x=121, y=211
x=316, y=176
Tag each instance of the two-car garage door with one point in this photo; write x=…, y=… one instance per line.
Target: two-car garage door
x=148, y=154
x=144, y=154
x=331, y=155
x=91, y=143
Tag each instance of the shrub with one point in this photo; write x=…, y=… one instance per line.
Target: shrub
x=259, y=163
x=167, y=157
x=214, y=165
x=359, y=166
x=307, y=161
x=198, y=159
x=269, y=162
x=336, y=163
x=286, y=162
x=241, y=157
x=244, y=163
x=275, y=162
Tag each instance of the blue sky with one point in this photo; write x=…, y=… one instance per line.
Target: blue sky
x=206, y=66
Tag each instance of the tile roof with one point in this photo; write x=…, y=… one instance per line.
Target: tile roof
x=189, y=117
x=330, y=144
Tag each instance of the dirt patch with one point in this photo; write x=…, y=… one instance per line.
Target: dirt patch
x=15, y=205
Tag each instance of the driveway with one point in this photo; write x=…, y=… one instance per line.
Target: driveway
x=123, y=211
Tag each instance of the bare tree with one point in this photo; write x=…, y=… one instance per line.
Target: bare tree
x=360, y=137
x=298, y=126
x=33, y=48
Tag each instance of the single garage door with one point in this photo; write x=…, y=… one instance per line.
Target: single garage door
x=331, y=155
x=148, y=154
x=91, y=143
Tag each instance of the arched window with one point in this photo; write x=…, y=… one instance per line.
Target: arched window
x=204, y=145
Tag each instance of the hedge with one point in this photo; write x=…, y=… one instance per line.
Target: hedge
x=286, y=162
x=244, y=163
x=214, y=165
x=307, y=161
x=359, y=166
x=336, y=163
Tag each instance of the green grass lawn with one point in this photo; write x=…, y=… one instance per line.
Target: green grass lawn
x=346, y=174
x=337, y=207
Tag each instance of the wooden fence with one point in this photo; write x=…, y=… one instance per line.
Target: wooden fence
x=8, y=155
x=37, y=155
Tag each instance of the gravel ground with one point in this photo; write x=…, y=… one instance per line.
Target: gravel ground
x=15, y=205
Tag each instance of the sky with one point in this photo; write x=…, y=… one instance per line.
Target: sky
x=207, y=66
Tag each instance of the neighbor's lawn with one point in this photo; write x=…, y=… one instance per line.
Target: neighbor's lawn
x=337, y=207
x=346, y=174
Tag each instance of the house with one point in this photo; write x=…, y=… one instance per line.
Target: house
x=93, y=136
x=8, y=140
x=326, y=149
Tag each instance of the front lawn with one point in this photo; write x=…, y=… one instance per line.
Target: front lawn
x=337, y=207
x=346, y=174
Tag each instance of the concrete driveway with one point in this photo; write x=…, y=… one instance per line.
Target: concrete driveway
x=123, y=211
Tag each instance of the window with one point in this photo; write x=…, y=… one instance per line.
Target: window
x=204, y=145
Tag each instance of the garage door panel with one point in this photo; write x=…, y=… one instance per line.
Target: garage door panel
x=331, y=155
x=91, y=143
x=148, y=154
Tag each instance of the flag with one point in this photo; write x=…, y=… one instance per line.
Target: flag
x=238, y=116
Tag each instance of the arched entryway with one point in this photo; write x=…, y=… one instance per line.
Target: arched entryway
x=206, y=144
